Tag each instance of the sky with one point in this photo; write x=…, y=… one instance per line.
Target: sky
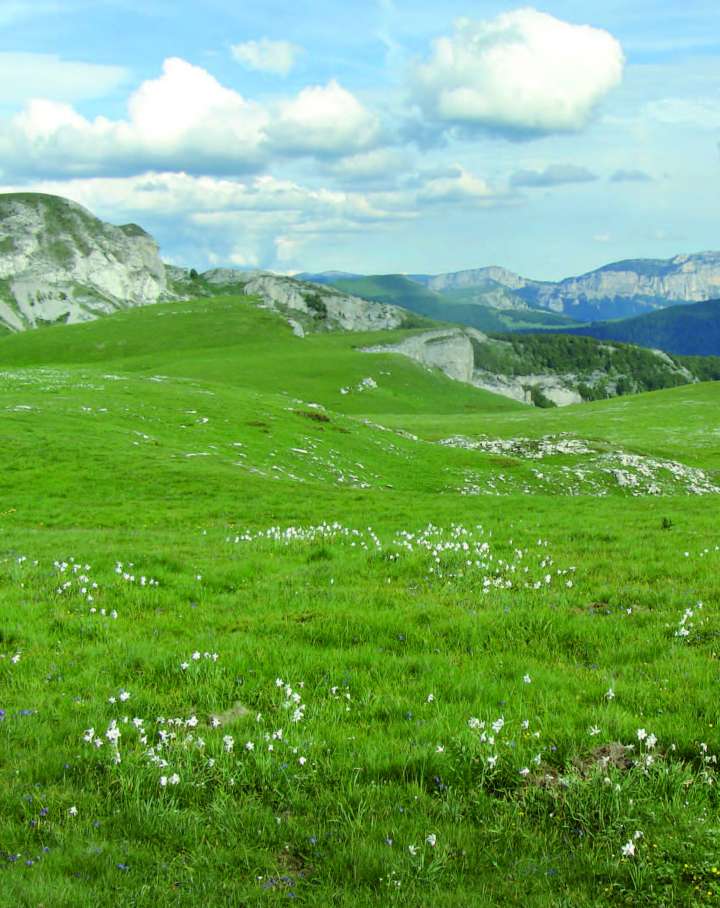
x=373, y=136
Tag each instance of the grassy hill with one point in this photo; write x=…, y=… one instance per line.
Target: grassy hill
x=261, y=639
x=688, y=329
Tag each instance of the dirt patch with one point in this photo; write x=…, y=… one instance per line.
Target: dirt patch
x=312, y=414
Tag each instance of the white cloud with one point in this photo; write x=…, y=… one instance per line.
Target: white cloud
x=260, y=221
x=523, y=73
x=25, y=76
x=277, y=57
x=459, y=185
x=186, y=120
x=324, y=119
x=213, y=201
x=182, y=118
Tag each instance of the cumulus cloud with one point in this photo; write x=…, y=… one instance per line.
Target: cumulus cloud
x=276, y=57
x=24, y=76
x=459, y=185
x=324, y=119
x=186, y=120
x=521, y=74
x=552, y=175
x=183, y=117
x=631, y=176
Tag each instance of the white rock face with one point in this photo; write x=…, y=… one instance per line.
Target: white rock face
x=476, y=277
x=341, y=310
x=685, y=278
x=558, y=388
x=60, y=263
x=449, y=350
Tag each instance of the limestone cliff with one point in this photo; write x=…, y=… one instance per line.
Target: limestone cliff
x=324, y=307
x=59, y=263
x=449, y=350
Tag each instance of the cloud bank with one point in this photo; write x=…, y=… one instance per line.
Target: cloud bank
x=186, y=120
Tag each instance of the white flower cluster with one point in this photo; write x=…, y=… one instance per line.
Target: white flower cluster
x=197, y=656
x=178, y=740
x=686, y=625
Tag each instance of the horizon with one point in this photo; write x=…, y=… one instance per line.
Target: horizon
x=373, y=139
x=299, y=272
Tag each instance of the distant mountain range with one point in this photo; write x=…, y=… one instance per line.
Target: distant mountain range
x=618, y=290
x=490, y=308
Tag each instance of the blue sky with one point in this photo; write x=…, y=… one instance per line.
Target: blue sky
x=373, y=136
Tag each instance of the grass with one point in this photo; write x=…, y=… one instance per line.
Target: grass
x=165, y=444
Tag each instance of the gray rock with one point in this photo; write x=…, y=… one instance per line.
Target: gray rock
x=449, y=350
x=59, y=263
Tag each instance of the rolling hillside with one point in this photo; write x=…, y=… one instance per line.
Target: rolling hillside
x=263, y=596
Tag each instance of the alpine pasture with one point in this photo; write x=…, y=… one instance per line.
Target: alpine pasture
x=281, y=620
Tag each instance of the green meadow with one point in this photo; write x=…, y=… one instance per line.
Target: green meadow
x=284, y=621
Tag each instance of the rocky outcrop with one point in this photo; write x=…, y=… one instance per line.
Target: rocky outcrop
x=685, y=278
x=325, y=306
x=450, y=350
x=464, y=354
x=475, y=277
x=59, y=263
x=560, y=389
